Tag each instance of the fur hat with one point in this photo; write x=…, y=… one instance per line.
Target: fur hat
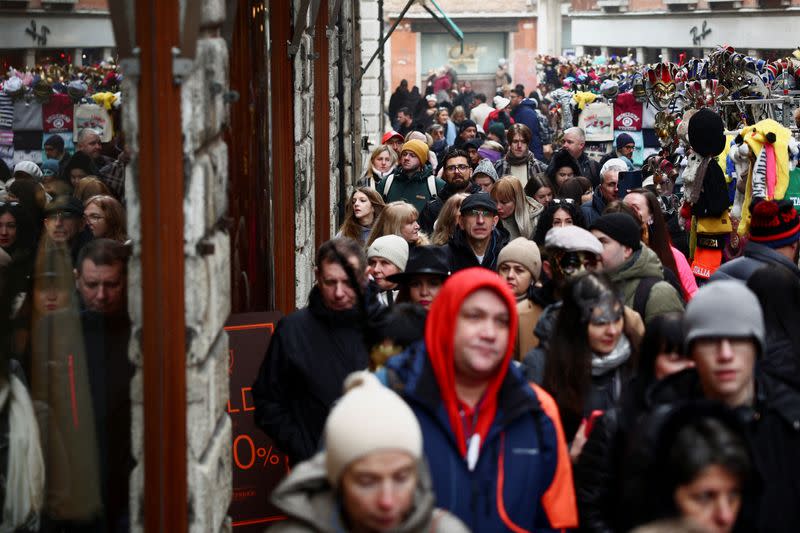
x=621, y=227
x=774, y=223
x=393, y=248
x=368, y=418
x=525, y=252
x=419, y=148
x=706, y=133
x=724, y=309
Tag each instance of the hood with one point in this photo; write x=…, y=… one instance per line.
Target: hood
x=307, y=496
x=529, y=102
x=562, y=158
x=485, y=166
x=439, y=333
x=644, y=263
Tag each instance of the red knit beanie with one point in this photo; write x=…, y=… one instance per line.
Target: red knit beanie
x=774, y=223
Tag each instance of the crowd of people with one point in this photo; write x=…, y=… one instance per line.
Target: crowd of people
x=65, y=381
x=503, y=336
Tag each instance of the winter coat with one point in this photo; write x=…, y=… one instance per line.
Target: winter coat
x=411, y=188
x=772, y=428
x=309, y=355
x=589, y=169
x=525, y=113
x=313, y=506
x=460, y=254
x=755, y=256
x=685, y=274
x=480, y=113
x=529, y=313
x=501, y=116
x=593, y=209
x=432, y=209
x=522, y=474
x=644, y=263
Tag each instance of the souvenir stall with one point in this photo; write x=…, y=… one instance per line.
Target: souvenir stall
x=56, y=100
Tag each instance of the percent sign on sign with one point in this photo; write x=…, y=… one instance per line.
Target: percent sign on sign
x=260, y=452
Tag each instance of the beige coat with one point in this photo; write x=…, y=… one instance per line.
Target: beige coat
x=529, y=314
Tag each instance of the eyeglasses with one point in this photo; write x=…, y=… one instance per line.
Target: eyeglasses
x=459, y=168
x=563, y=201
x=477, y=213
x=94, y=217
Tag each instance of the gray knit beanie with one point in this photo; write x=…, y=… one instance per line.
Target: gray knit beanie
x=525, y=252
x=724, y=309
x=486, y=168
x=393, y=248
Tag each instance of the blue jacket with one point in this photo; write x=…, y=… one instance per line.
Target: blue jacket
x=524, y=459
x=525, y=113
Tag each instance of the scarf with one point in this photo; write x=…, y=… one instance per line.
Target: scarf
x=517, y=161
x=439, y=337
x=25, y=475
x=618, y=356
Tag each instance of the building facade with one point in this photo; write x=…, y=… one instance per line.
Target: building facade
x=66, y=32
x=661, y=30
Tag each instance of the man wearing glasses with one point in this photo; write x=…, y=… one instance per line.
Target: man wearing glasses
x=456, y=174
x=624, y=147
x=477, y=240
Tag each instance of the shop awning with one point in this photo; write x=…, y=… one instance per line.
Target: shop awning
x=435, y=11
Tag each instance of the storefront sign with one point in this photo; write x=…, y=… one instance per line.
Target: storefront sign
x=258, y=465
x=39, y=38
x=699, y=35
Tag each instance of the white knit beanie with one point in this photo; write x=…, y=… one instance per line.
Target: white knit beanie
x=525, y=252
x=368, y=418
x=392, y=248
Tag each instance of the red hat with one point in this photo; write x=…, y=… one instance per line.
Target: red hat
x=391, y=134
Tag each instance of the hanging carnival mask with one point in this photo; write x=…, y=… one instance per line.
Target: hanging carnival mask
x=638, y=88
x=665, y=128
x=662, y=84
x=705, y=93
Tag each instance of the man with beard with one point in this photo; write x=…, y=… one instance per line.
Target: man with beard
x=457, y=173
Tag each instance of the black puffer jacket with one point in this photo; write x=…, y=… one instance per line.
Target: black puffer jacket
x=460, y=254
x=772, y=424
x=310, y=354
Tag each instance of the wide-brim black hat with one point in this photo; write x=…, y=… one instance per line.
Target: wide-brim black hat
x=423, y=260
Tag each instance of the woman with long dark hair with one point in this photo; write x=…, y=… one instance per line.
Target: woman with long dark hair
x=560, y=212
x=589, y=360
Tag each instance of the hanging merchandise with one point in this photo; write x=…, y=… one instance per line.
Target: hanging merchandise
x=628, y=113
x=27, y=116
x=597, y=120
x=95, y=117
x=57, y=114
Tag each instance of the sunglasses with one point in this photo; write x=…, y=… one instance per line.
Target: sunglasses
x=478, y=213
x=12, y=204
x=558, y=201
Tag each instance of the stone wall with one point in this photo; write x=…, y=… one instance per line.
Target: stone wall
x=371, y=105
x=207, y=283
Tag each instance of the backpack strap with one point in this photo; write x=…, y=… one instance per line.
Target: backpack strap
x=431, y=186
x=643, y=294
x=389, y=180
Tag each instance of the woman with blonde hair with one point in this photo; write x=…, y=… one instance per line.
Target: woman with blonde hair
x=88, y=187
x=382, y=161
x=399, y=218
x=362, y=211
x=518, y=213
x=446, y=223
x=105, y=217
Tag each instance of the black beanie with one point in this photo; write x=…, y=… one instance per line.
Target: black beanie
x=622, y=228
x=467, y=124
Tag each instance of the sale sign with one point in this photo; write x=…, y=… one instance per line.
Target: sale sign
x=258, y=465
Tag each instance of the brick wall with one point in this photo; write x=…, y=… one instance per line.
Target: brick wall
x=207, y=283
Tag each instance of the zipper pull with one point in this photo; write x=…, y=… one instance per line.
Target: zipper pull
x=473, y=449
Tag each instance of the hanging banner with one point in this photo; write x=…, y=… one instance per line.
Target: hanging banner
x=258, y=465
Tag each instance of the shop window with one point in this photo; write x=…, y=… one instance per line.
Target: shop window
x=480, y=55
